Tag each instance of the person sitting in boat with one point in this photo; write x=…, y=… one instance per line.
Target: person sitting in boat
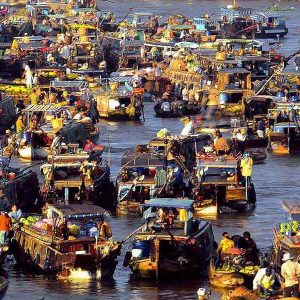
x=261, y=128
x=15, y=213
x=89, y=146
x=222, y=146
x=249, y=245
x=104, y=229
x=264, y=281
x=225, y=244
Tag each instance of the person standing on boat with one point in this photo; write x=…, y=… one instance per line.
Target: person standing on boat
x=20, y=124
x=28, y=77
x=290, y=273
x=5, y=226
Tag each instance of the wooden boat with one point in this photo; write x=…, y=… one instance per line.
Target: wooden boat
x=19, y=186
x=233, y=85
x=285, y=138
x=234, y=271
x=144, y=174
x=286, y=235
x=78, y=177
x=121, y=102
x=239, y=21
x=181, y=249
x=42, y=246
x=219, y=184
x=7, y=113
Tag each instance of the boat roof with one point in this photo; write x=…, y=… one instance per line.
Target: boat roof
x=80, y=84
x=43, y=108
x=286, y=124
x=234, y=71
x=220, y=164
x=77, y=210
x=292, y=207
x=262, y=98
x=143, y=14
x=169, y=203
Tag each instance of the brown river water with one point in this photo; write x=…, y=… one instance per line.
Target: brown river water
x=275, y=180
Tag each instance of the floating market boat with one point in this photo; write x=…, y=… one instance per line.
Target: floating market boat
x=121, y=102
x=286, y=234
x=178, y=246
x=35, y=143
x=67, y=244
x=78, y=177
x=151, y=171
x=221, y=182
x=239, y=21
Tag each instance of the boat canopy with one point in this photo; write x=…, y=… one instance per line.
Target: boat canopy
x=234, y=71
x=78, y=84
x=76, y=211
x=43, y=108
x=169, y=203
x=292, y=207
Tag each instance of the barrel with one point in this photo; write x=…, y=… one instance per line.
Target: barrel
x=223, y=98
x=144, y=246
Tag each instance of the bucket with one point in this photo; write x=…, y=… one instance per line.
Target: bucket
x=143, y=246
x=12, y=176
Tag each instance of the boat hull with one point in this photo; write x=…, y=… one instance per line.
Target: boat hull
x=40, y=257
x=32, y=153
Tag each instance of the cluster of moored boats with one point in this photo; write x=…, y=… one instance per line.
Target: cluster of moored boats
x=64, y=66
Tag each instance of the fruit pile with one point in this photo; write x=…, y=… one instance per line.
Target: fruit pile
x=29, y=220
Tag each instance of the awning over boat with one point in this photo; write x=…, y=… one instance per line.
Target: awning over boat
x=43, y=108
x=77, y=84
x=169, y=203
x=292, y=207
x=76, y=211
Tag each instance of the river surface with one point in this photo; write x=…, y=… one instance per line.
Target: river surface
x=275, y=180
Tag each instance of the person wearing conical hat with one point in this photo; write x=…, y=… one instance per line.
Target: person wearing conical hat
x=290, y=273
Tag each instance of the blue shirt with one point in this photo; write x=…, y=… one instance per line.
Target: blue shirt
x=16, y=214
